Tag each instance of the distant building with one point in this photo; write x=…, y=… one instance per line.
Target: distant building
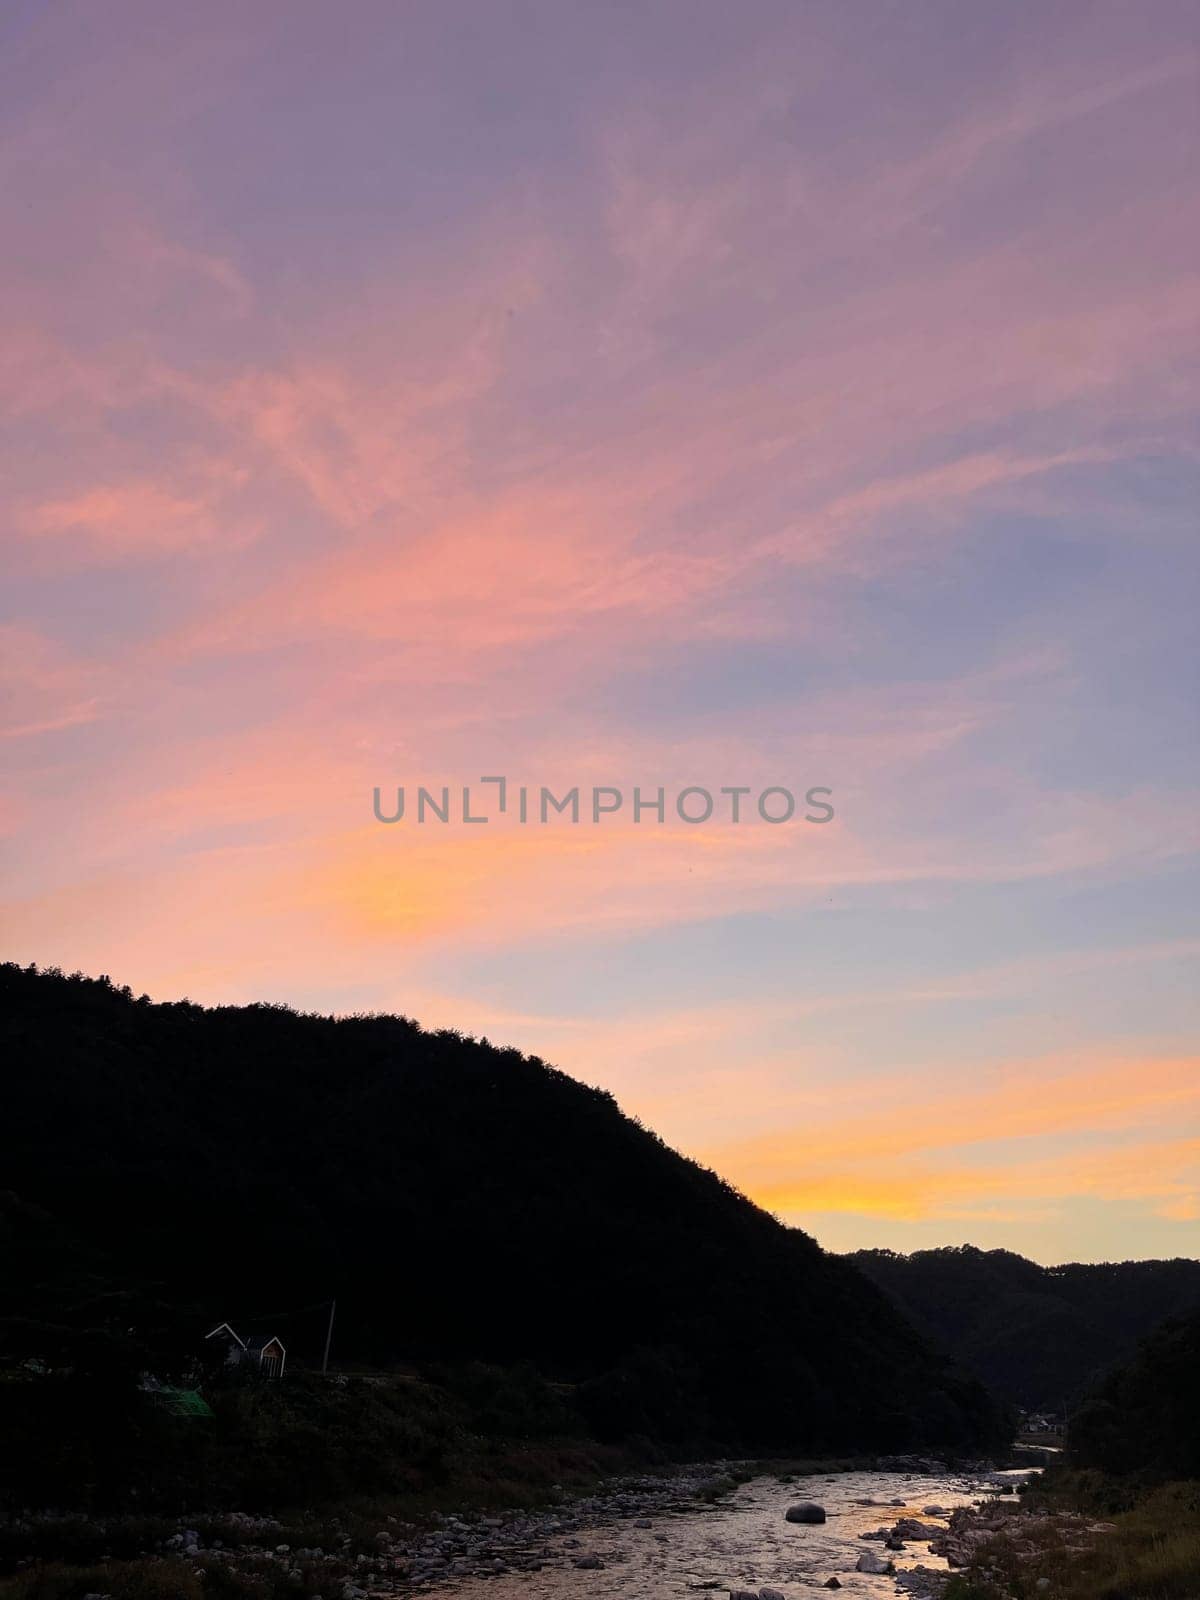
x=264, y=1352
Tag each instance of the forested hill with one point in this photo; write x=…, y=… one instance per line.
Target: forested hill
x=1145, y=1416
x=1040, y=1336
x=174, y=1166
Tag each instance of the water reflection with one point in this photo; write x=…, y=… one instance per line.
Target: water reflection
x=744, y=1542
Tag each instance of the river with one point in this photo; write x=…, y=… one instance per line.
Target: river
x=742, y=1542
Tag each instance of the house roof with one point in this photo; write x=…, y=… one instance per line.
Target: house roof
x=223, y=1327
x=260, y=1341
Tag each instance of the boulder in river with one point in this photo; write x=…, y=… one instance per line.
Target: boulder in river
x=769, y=1594
x=832, y=1583
x=870, y=1562
x=805, y=1511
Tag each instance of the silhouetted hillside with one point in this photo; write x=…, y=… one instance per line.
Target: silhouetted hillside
x=175, y=1165
x=1145, y=1415
x=1040, y=1336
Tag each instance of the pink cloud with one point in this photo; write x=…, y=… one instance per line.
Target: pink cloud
x=46, y=688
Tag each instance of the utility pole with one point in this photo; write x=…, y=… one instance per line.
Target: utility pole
x=328, y=1338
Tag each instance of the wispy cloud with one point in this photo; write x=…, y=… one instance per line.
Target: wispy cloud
x=790, y=405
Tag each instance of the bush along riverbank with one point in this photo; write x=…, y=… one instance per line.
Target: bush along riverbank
x=1079, y=1537
x=1119, y=1519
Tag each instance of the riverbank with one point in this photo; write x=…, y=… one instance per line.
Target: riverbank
x=350, y=1551
x=719, y=1524
x=1079, y=1536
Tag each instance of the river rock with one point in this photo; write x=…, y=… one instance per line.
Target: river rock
x=910, y=1528
x=832, y=1583
x=805, y=1511
x=870, y=1562
x=923, y=1583
x=769, y=1594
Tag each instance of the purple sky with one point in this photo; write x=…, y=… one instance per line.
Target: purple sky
x=786, y=394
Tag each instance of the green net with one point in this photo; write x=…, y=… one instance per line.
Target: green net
x=183, y=1402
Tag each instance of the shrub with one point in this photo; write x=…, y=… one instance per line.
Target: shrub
x=134, y=1580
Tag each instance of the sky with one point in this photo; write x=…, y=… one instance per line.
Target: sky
x=661, y=394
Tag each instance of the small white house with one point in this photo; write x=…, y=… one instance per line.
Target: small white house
x=264, y=1352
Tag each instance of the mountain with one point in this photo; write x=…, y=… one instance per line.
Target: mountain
x=1144, y=1417
x=1039, y=1336
x=174, y=1166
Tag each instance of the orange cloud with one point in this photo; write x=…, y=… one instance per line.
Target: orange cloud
x=917, y=1152
x=1144, y=1173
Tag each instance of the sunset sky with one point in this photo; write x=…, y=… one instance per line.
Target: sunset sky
x=607, y=393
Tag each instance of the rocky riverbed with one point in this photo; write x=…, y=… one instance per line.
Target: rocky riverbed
x=895, y=1528
x=644, y=1545
x=694, y=1532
